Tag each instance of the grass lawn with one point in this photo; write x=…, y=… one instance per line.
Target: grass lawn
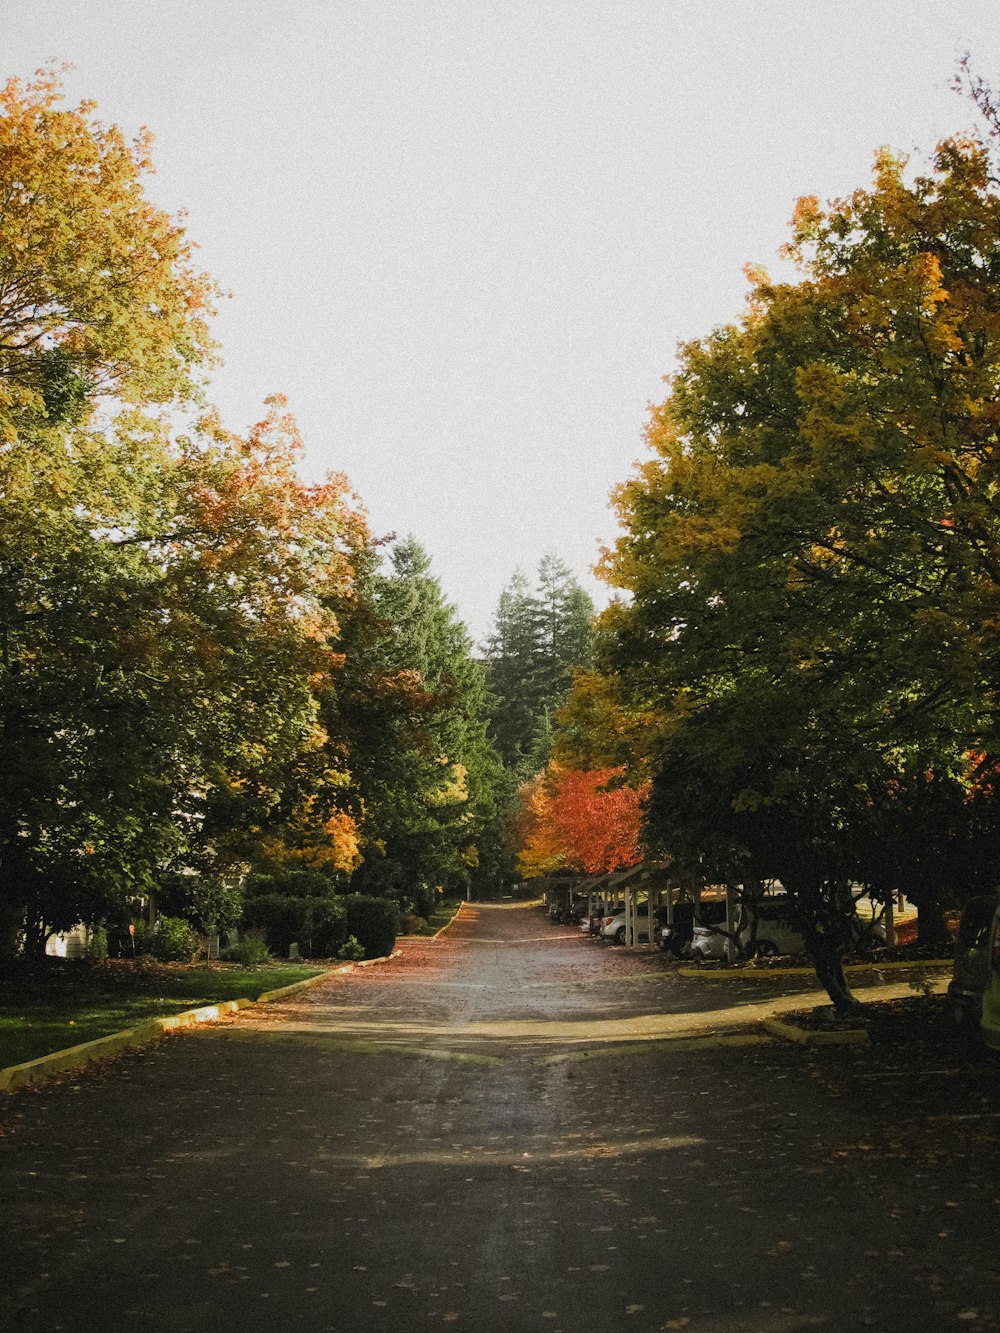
x=66, y=1003
x=442, y=914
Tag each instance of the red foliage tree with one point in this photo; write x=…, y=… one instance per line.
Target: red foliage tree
x=579, y=820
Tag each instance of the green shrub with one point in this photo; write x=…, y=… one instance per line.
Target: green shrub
x=424, y=900
x=374, y=922
x=278, y=917
x=211, y=906
x=251, y=951
x=171, y=940
x=351, y=951
x=97, y=945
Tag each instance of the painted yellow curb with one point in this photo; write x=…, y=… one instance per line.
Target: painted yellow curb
x=816, y=1037
x=447, y=924
x=75, y=1057
x=768, y=974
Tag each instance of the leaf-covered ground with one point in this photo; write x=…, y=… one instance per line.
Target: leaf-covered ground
x=474, y=1135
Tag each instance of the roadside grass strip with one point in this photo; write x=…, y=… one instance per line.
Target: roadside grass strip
x=450, y=922
x=77, y=1057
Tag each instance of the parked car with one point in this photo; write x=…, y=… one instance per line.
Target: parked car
x=708, y=933
x=613, y=925
x=777, y=931
x=613, y=928
x=977, y=936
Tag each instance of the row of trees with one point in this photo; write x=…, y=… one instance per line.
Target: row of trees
x=804, y=665
x=209, y=668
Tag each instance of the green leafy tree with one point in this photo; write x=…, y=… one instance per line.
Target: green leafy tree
x=410, y=708
x=163, y=597
x=812, y=552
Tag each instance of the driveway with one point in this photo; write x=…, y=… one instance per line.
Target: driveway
x=505, y=1128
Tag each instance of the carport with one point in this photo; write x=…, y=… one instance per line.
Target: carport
x=651, y=880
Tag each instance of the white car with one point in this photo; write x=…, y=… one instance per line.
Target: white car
x=708, y=935
x=775, y=935
x=613, y=927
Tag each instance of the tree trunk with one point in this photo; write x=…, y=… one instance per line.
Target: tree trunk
x=35, y=939
x=11, y=923
x=932, y=929
x=830, y=971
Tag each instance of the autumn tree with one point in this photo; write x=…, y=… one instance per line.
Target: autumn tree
x=98, y=291
x=582, y=821
x=812, y=551
x=163, y=596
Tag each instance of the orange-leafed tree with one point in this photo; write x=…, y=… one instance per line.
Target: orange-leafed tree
x=98, y=291
x=579, y=820
x=542, y=849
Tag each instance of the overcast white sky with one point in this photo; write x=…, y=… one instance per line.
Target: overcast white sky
x=465, y=236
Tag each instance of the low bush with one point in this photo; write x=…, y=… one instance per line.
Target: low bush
x=251, y=951
x=96, y=950
x=171, y=940
x=211, y=906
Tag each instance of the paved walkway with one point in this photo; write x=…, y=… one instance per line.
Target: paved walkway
x=503, y=1129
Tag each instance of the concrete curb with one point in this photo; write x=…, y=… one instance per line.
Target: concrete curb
x=448, y=924
x=816, y=1037
x=265, y=997
x=768, y=974
x=683, y=1042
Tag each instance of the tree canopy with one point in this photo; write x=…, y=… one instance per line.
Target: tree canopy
x=811, y=553
x=202, y=672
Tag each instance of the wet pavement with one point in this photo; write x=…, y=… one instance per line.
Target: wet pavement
x=510, y=1127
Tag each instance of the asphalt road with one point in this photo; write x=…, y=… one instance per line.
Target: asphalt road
x=507, y=1128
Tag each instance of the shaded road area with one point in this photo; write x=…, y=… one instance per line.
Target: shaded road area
x=506, y=1128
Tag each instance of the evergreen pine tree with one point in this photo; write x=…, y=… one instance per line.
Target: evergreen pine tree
x=540, y=637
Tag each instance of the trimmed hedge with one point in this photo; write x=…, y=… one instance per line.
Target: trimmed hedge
x=291, y=884
x=320, y=925
x=317, y=925
x=374, y=922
